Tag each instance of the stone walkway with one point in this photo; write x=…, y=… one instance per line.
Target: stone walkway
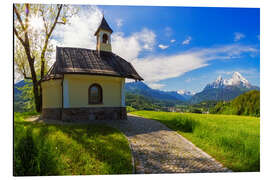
x=158, y=149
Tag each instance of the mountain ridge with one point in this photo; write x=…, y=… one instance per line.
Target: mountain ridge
x=224, y=89
x=141, y=88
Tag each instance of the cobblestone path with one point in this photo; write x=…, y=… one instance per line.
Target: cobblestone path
x=158, y=149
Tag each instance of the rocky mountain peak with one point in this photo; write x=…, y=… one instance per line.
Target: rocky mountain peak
x=236, y=80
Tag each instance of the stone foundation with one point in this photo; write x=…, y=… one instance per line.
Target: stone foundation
x=85, y=114
x=51, y=113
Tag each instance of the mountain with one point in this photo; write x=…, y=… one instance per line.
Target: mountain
x=19, y=85
x=186, y=94
x=237, y=80
x=224, y=89
x=141, y=88
x=247, y=104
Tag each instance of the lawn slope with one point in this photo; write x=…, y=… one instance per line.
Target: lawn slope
x=41, y=149
x=232, y=140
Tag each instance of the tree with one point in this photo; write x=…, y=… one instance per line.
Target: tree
x=32, y=44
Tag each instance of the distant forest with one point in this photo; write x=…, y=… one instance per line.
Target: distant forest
x=246, y=104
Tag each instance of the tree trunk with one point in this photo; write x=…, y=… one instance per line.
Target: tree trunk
x=38, y=97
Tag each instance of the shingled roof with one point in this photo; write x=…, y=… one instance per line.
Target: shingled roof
x=86, y=61
x=104, y=25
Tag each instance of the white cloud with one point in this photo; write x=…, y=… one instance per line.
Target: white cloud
x=161, y=46
x=226, y=52
x=155, y=85
x=154, y=69
x=80, y=30
x=130, y=47
x=80, y=33
x=249, y=72
x=187, y=41
x=157, y=68
x=238, y=36
x=172, y=40
x=119, y=22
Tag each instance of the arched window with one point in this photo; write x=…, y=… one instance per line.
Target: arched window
x=95, y=94
x=105, y=38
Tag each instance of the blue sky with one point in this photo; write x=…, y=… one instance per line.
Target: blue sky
x=175, y=47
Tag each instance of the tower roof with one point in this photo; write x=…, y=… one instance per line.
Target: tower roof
x=104, y=25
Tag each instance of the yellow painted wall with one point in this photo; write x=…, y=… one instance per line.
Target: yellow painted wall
x=78, y=90
x=51, y=94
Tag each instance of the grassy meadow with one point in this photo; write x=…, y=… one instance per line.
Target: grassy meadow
x=41, y=149
x=232, y=140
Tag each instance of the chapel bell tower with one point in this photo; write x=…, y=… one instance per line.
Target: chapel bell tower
x=103, y=34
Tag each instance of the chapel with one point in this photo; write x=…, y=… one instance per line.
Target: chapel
x=87, y=84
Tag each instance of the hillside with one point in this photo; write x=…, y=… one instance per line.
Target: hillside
x=246, y=104
x=140, y=102
x=23, y=96
x=142, y=89
x=232, y=140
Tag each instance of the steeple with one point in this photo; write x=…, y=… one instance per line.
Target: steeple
x=103, y=34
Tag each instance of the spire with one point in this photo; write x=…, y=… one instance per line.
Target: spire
x=104, y=26
x=103, y=35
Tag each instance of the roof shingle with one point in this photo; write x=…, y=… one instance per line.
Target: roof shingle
x=86, y=61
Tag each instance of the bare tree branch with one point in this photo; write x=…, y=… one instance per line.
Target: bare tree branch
x=46, y=42
x=56, y=19
x=44, y=21
x=19, y=17
x=17, y=35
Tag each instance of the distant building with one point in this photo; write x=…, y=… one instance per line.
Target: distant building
x=85, y=84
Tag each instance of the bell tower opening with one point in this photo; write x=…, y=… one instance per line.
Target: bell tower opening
x=105, y=39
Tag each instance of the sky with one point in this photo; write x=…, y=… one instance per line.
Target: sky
x=174, y=48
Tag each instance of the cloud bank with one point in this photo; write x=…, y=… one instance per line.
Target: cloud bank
x=155, y=68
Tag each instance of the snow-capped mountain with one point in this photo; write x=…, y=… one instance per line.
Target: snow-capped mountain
x=224, y=89
x=186, y=94
x=236, y=80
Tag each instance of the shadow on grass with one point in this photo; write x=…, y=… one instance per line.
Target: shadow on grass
x=106, y=150
x=34, y=157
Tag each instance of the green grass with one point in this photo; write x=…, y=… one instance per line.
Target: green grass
x=41, y=149
x=232, y=140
